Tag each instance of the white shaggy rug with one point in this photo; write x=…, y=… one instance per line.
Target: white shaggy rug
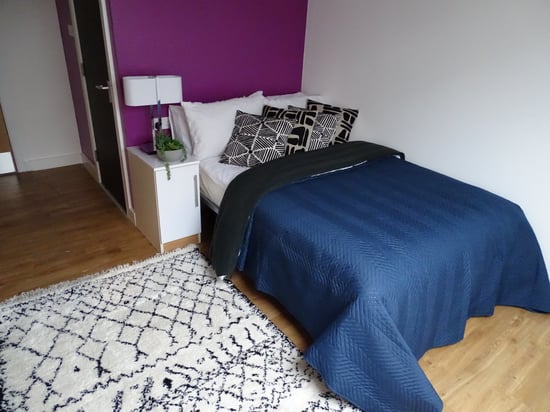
x=158, y=335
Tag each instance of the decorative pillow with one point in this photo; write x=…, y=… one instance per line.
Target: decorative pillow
x=210, y=124
x=178, y=127
x=256, y=139
x=343, y=129
x=304, y=121
x=323, y=131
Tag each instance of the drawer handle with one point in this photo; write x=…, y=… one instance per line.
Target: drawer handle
x=195, y=179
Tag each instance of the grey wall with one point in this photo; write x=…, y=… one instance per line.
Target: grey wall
x=462, y=87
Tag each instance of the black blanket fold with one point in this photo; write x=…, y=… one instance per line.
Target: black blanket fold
x=244, y=192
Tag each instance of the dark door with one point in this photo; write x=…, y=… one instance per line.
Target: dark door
x=90, y=34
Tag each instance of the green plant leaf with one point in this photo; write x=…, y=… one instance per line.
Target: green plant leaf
x=163, y=142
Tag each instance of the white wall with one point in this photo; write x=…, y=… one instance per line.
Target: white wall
x=462, y=87
x=34, y=86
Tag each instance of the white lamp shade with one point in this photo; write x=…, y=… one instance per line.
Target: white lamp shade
x=169, y=89
x=140, y=90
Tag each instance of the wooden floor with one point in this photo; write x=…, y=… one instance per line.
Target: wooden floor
x=57, y=225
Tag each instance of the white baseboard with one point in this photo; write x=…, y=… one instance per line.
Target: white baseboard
x=53, y=161
x=6, y=163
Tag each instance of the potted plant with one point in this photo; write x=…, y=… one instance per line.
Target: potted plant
x=168, y=150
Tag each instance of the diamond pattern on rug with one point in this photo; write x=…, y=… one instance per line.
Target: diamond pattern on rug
x=158, y=335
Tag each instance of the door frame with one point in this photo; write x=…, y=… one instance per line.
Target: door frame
x=113, y=91
x=7, y=163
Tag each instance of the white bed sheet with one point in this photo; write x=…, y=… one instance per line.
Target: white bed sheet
x=214, y=178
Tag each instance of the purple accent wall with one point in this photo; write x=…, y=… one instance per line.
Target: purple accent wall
x=221, y=48
x=71, y=59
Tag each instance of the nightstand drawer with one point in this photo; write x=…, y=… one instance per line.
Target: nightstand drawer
x=178, y=202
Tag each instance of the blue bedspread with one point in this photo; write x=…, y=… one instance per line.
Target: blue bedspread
x=384, y=261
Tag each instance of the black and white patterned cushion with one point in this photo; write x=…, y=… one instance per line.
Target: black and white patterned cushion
x=256, y=139
x=323, y=131
x=304, y=122
x=343, y=129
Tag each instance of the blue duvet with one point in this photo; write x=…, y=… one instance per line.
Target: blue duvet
x=385, y=260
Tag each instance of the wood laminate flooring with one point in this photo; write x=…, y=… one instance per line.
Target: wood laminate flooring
x=58, y=225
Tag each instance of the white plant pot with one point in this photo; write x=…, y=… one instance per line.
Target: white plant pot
x=171, y=156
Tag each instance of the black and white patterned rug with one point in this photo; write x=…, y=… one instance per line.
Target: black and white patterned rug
x=159, y=335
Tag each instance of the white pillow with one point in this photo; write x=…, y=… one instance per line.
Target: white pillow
x=179, y=127
x=298, y=99
x=211, y=124
x=282, y=101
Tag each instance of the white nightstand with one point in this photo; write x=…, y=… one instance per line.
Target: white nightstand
x=166, y=211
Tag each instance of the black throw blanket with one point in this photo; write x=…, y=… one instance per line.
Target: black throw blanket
x=244, y=192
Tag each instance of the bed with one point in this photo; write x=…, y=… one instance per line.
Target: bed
x=215, y=177
x=377, y=258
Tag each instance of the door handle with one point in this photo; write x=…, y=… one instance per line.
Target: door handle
x=102, y=87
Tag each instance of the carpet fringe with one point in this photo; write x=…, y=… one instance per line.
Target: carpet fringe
x=117, y=270
x=106, y=273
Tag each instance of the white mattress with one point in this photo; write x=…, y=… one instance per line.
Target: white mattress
x=215, y=177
